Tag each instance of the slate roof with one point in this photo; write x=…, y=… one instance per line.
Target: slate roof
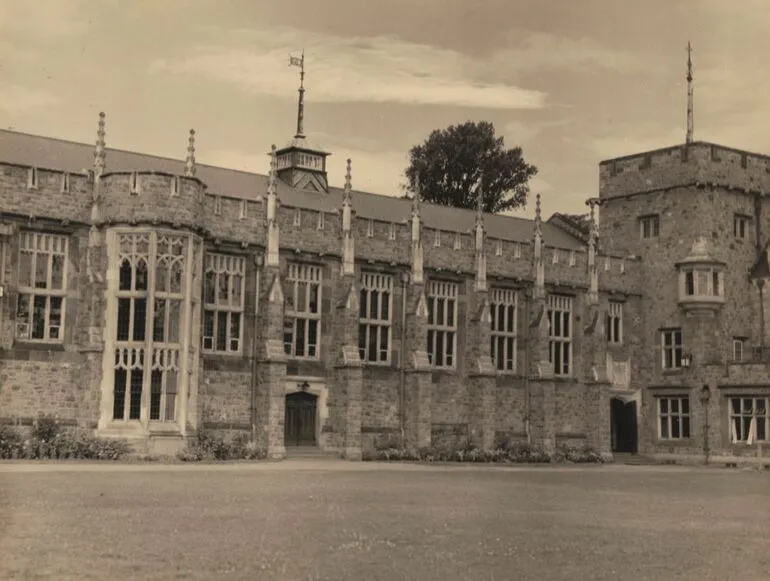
x=57, y=154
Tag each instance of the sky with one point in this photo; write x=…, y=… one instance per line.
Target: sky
x=572, y=83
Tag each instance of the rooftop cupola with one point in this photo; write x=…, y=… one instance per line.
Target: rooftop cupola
x=301, y=164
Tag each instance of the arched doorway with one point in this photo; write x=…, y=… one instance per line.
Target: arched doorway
x=623, y=426
x=300, y=421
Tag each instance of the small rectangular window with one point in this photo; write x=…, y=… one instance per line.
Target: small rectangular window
x=673, y=418
x=297, y=217
x=499, y=247
x=649, y=226
x=738, y=343
x=391, y=231
x=437, y=238
x=370, y=229
x=65, y=183
x=244, y=209
x=174, y=186
x=320, y=225
x=458, y=241
x=615, y=323
x=741, y=226
x=32, y=178
x=133, y=183
x=217, y=205
x=517, y=250
x=671, y=348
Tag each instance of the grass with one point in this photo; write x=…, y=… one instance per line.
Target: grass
x=314, y=520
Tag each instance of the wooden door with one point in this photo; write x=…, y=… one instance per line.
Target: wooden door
x=299, y=427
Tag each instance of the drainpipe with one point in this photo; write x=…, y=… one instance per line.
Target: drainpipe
x=254, y=353
x=527, y=404
x=402, y=362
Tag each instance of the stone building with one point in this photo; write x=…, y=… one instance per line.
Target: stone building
x=149, y=298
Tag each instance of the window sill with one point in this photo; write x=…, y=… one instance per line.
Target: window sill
x=677, y=442
x=33, y=345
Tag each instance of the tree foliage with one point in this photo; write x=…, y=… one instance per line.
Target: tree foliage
x=449, y=164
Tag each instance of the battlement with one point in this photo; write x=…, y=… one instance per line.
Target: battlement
x=698, y=163
x=152, y=197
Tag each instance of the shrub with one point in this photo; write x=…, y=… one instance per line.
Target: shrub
x=208, y=446
x=46, y=429
x=505, y=451
x=48, y=442
x=11, y=442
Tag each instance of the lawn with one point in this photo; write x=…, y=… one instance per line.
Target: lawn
x=312, y=520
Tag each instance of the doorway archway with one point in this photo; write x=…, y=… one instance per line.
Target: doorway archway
x=624, y=428
x=300, y=420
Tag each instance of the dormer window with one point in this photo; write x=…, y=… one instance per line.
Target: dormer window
x=741, y=226
x=32, y=178
x=701, y=279
x=649, y=226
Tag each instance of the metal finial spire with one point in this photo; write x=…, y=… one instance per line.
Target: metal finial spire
x=189, y=166
x=99, y=153
x=689, y=94
x=347, y=193
x=300, y=62
x=273, y=170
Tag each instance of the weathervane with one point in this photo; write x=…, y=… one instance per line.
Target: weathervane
x=300, y=62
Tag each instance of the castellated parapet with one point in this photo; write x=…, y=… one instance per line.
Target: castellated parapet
x=695, y=164
x=152, y=198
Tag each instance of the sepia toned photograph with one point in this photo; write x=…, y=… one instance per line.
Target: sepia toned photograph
x=335, y=290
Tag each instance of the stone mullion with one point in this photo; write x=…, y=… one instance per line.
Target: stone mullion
x=144, y=414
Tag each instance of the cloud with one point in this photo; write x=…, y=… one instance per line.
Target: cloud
x=43, y=19
x=378, y=69
x=19, y=100
x=528, y=51
x=619, y=144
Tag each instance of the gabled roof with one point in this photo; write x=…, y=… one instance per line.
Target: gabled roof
x=579, y=225
x=57, y=154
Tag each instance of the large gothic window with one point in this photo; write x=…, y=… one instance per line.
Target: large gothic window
x=150, y=311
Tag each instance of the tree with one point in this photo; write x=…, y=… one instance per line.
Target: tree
x=449, y=164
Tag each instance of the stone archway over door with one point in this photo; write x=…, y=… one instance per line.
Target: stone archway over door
x=301, y=418
x=624, y=426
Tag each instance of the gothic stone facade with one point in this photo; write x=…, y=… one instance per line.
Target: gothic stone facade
x=149, y=298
